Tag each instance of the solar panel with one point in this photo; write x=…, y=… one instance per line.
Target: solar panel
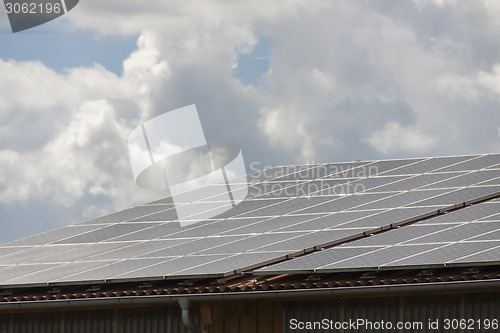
x=318, y=222
x=459, y=196
x=443, y=254
x=374, y=259
x=56, y=235
x=129, y=214
x=415, y=182
x=174, y=265
x=429, y=165
x=53, y=272
x=105, y=233
x=11, y=249
x=458, y=233
x=288, y=210
x=10, y=272
x=476, y=163
x=107, y=270
x=281, y=223
x=437, y=241
x=340, y=203
x=469, y=179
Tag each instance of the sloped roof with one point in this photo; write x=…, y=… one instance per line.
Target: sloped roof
x=407, y=214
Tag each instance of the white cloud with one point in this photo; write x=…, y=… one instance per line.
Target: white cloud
x=65, y=134
x=395, y=138
x=472, y=88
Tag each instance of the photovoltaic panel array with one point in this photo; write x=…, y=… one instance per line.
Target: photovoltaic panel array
x=290, y=210
x=469, y=236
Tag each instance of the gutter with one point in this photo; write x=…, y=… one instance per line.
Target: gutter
x=185, y=300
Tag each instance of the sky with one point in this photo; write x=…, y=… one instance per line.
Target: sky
x=290, y=82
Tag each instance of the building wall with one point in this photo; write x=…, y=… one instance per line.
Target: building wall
x=475, y=308
x=270, y=316
x=122, y=320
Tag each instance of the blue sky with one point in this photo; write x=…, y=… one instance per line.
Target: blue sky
x=58, y=46
x=289, y=82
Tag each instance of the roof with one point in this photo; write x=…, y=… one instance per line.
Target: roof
x=334, y=220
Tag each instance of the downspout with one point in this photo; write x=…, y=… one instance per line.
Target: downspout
x=187, y=317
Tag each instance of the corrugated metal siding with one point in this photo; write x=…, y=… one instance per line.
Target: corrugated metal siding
x=123, y=320
x=423, y=308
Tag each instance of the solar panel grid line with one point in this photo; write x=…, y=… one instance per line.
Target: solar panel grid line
x=467, y=179
x=473, y=159
x=34, y=253
x=491, y=256
x=240, y=210
x=80, y=252
x=371, y=251
x=175, y=272
x=431, y=164
x=269, y=224
x=185, y=247
x=320, y=247
x=53, y=271
x=290, y=205
x=215, y=209
x=461, y=231
x=412, y=178
x=252, y=243
x=342, y=200
x=303, y=241
x=227, y=227
x=167, y=268
x=12, y=272
x=422, y=249
x=108, y=270
x=414, y=219
x=445, y=252
x=402, y=199
x=11, y=249
x=105, y=233
x=477, y=163
x=55, y=234
x=122, y=237
x=355, y=185
x=127, y=214
x=412, y=162
x=461, y=196
x=135, y=249
x=495, y=166
x=493, y=195
x=325, y=221
x=447, y=228
x=383, y=166
x=237, y=260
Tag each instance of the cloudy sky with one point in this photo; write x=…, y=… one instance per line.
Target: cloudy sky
x=289, y=81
